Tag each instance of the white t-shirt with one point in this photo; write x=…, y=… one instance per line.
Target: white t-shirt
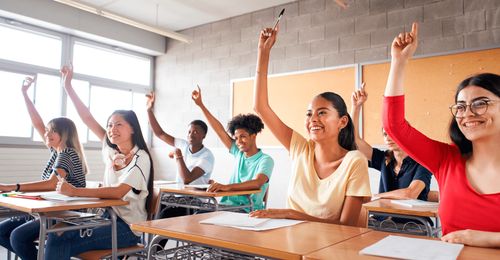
x=204, y=159
x=136, y=175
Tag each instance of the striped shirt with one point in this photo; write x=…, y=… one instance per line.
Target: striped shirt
x=70, y=162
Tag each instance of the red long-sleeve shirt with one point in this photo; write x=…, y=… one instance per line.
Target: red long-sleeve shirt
x=461, y=207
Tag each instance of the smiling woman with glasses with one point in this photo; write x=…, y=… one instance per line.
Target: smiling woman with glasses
x=467, y=171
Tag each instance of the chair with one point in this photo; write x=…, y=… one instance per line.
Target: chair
x=138, y=250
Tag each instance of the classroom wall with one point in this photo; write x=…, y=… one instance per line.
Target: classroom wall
x=314, y=34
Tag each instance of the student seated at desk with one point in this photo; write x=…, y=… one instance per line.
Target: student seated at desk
x=67, y=160
x=467, y=171
x=194, y=161
x=329, y=180
x=128, y=176
x=253, y=168
x=400, y=176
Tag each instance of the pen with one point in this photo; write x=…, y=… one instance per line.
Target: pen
x=279, y=17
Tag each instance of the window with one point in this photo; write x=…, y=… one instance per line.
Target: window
x=106, y=79
x=18, y=45
x=105, y=63
x=14, y=124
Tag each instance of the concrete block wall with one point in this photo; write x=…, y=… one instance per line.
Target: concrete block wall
x=313, y=34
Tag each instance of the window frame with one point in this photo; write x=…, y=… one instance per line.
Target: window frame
x=67, y=43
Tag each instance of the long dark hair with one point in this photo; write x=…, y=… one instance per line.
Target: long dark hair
x=137, y=139
x=488, y=81
x=346, y=135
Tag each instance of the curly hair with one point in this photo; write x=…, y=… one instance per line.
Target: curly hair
x=250, y=122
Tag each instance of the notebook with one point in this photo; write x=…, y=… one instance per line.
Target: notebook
x=53, y=195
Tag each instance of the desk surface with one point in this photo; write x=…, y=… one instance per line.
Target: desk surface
x=39, y=206
x=349, y=249
x=284, y=243
x=385, y=206
x=173, y=188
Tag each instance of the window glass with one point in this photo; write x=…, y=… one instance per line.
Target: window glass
x=139, y=107
x=47, y=99
x=29, y=47
x=100, y=62
x=82, y=90
x=14, y=116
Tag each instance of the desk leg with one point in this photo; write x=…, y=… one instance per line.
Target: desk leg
x=41, y=237
x=114, y=242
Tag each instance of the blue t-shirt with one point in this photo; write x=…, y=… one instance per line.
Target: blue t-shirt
x=410, y=170
x=247, y=169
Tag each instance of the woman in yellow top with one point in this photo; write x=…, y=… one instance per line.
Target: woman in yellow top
x=329, y=178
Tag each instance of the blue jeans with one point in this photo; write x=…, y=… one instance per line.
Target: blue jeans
x=71, y=244
x=17, y=234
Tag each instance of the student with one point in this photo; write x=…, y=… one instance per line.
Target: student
x=194, y=161
x=253, y=168
x=128, y=176
x=467, y=170
x=400, y=176
x=66, y=161
x=329, y=179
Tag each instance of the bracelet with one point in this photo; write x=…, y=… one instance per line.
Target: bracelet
x=178, y=157
x=18, y=187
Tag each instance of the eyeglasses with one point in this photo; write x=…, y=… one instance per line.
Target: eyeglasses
x=477, y=107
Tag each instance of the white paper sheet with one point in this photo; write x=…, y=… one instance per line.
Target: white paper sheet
x=243, y=221
x=415, y=203
x=413, y=248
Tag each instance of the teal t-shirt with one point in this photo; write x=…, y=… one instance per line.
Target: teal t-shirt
x=247, y=169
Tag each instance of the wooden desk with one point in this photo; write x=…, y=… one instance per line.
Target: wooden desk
x=349, y=249
x=284, y=243
x=384, y=207
x=174, y=196
x=44, y=207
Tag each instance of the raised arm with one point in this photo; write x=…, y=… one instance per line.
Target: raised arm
x=157, y=130
x=402, y=49
x=425, y=151
x=358, y=98
x=81, y=108
x=36, y=119
x=214, y=123
x=260, y=97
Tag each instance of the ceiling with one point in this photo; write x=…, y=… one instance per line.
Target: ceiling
x=177, y=15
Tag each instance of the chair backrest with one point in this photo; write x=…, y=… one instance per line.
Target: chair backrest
x=154, y=207
x=266, y=195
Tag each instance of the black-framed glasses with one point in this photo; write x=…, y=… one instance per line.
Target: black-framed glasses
x=477, y=107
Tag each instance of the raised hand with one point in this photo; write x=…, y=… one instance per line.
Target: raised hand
x=267, y=38
x=27, y=83
x=150, y=102
x=196, y=96
x=67, y=74
x=359, y=96
x=405, y=44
